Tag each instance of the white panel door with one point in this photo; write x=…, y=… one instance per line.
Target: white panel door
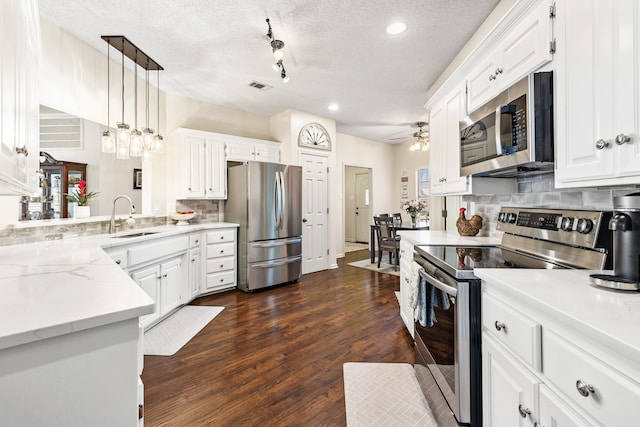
x=315, y=216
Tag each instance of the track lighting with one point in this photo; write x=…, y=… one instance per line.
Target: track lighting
x=277, y=47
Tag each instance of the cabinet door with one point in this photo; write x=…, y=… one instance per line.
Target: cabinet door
x=267, y=152
x=597, y=90
x=437, y=166
x=149, y=280
x=170, y=298
x=216, y=170
x=509, y=390
x=239, y=151
x=556, y=413
x=455, y=110
x=194, y=272
x=481, y=84
x=195, y=167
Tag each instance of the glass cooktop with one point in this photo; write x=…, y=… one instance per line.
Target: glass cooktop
x=459, y=261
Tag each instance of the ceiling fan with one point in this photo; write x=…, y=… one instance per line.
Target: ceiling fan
x=420, y=138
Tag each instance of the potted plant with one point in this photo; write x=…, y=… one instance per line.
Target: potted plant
x=81, y=197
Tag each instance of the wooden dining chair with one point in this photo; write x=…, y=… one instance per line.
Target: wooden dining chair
x=397, y=219
x=387, y=239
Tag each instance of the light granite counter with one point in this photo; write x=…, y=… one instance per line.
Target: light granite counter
x=609, y=317
x=56, y=287
x=450, y=238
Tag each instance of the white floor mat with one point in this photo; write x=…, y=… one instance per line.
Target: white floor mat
x=384, y=394
x=384, y=267
x=168, y=336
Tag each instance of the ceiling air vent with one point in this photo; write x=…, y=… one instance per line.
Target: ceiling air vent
x=263, y=87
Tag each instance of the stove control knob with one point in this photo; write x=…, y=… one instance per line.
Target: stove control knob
x=511, y=218
x=584, y=225
x=566, y=223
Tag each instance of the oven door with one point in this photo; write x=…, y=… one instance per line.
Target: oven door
x=442, y=344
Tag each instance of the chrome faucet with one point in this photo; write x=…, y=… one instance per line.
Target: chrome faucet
x=132, y=210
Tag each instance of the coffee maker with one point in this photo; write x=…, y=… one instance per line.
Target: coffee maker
x=625, y=225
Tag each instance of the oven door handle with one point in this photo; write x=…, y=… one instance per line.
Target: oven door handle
x=450, y=290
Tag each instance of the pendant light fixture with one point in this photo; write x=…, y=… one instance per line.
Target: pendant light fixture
x=123, y=136
x=133, y=143
x=108, y=141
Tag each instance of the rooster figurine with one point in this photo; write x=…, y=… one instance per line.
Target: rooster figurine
x=468, y=227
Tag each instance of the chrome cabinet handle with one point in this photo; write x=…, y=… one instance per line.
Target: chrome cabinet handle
x=622, y=139
x=523, y=411
x=492, y=77
x=584, y=389
x=500, y=326
x=498, y=71
x=118, y=261
x=164, y=275
x=601, y=143
x=22, y=150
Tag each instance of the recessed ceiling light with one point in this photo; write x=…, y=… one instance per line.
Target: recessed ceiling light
x=397, y=28
x=334, y=107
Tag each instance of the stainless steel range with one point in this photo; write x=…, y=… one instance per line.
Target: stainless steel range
x=448, y=330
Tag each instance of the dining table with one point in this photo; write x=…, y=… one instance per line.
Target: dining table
x=422, y=225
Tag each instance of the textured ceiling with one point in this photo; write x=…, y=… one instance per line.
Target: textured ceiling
x=336, y=51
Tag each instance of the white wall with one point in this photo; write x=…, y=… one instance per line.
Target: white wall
x=407, y=164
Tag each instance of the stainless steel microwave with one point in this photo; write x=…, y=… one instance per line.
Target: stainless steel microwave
x=512, y=134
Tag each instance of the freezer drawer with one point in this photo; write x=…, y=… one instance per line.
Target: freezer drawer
x=273, y=249
x=270, y=273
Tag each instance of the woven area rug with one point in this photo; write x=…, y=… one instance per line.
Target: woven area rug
x=168, y=336
x=384, y=267
x=353, y=246
x=384, y=394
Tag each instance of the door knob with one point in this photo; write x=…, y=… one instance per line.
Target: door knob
x=304, y=219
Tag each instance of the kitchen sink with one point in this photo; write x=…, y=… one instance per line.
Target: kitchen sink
x=140, y=234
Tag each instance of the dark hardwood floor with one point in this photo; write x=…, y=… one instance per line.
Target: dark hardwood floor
x=274, y=358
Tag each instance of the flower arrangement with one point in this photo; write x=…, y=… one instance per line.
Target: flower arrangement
x=414, y=207
x=81, y=196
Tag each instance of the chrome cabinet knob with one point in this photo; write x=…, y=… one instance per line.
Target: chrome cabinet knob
x=498, y=71
x=500, y=326
x=492, y=77
x=622, y=139
x=601, y=143
x=584, y=389
x=523, y=411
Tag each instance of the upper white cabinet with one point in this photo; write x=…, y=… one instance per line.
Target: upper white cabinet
x=520, y=50
x=246, y=149
x=203, y=174
x=19, y=127
x=598, y=93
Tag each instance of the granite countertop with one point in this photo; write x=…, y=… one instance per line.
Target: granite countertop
x=450, y=238
x=608, y=316
x=57, y=287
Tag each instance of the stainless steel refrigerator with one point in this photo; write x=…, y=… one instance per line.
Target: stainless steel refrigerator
x=266, y=200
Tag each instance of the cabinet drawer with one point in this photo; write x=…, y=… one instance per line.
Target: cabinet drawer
x=518, y=332
x=157, y=249
x=614, y=397
x=223, y=249
x=217, y=280
x=219, y=236
x=119, y=257
x=194, y=240
x=220, y=264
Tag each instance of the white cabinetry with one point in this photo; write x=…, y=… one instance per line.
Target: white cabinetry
x=221, y=260
x=598, y=93
x=406, y=276
x=19, y=127
x=540, y=368
x=247, y=149
x=149, y=280
x=521, y=50
x=195, y=270
x=203, y=174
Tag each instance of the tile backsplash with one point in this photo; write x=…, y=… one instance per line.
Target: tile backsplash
x=540, y=191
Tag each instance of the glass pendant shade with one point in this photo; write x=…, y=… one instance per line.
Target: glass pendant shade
x=158, y=144
x=278, y=54
x=108, y=142
x=147, y=139
x=123, y=140
x=135, y=145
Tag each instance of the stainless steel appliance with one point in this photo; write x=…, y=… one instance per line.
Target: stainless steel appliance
x=512, y=134
x=448, y=336
x=266, y=200
x=625, y=225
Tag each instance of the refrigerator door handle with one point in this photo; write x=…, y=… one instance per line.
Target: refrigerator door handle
x=277, y=192
x=283, y=194
x=277, y=244
x=276, y=264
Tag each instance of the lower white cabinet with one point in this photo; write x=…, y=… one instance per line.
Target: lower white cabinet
x=555, y=413
x=406, y=285
x=220, y=260
x=194, y=272
x=163, y=283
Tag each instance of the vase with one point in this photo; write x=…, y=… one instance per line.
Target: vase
x=82, y=212
x=414, y=220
